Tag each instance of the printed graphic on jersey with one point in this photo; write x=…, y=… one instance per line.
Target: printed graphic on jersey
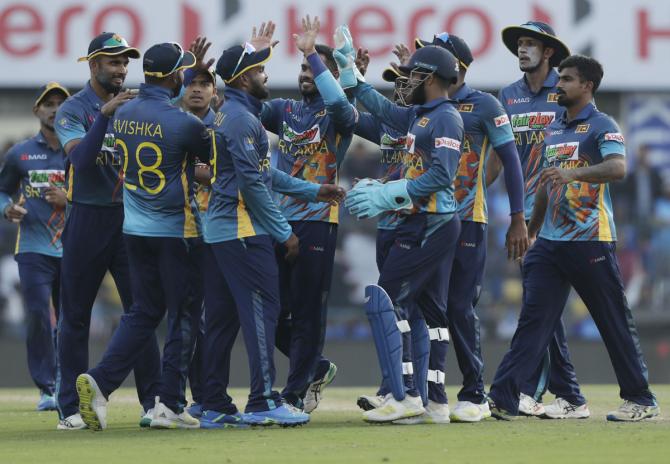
x=532, y=121
x=390, y=143
x=568, y=151
x=40, y=178
x=311, y=135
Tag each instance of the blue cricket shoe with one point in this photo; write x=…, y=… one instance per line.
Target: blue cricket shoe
x=218, y=420
x=47, y=403
x=285, y=416
x=195, y=410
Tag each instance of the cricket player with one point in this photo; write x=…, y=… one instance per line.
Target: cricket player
x=92, y=238
x=416, y=271
x=314, y=135
x=162, y=230
x=572, y=219
x=35, y=169
x=531, y=104
x=486, y=125
x=242, y=221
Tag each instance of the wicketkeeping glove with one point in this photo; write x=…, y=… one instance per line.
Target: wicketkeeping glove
x=345, y=57
x=370, y=198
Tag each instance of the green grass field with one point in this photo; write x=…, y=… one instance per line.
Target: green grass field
x=336, y=435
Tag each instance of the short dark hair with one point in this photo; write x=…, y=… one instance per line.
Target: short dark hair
x=589, y=69
x=326, y=51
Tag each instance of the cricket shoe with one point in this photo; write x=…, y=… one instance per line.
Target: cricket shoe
x=392, y=409
x=500, y=413
x=435, y=413
x=166, y=418
x=529, y=407
x=195, y=410
x=73, y=422
x=315, y=391
x=285, y=416
x=47, y=403
x=146, y=418
x=466, y=411
x=369, y=402
x=561, y=408
x=92, y=403
x=218, y=420
x=630, y=411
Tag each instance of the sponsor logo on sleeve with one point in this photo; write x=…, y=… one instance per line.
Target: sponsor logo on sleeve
x=568, y=151
x=501, y=120
x=446, y=142
x=615, y=136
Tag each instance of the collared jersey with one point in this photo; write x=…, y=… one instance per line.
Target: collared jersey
x=158, y=142
x=240, y=204
x=530, y=114
x=313, y=140
x=434, y=138
x=30, y=167
x=202, y=191
x=486, y=124
x=393, y=146
x=580, y=210
x=98, y=185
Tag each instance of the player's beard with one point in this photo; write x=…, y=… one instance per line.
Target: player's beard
x=563, y=100
x=259, y=90
x=418, y=95
x=105, y=81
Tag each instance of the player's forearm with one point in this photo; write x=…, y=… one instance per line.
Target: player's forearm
x=297, y=188
x=5, y=201
x=612, y=169
x=493, y=167
x=435, y=179
x=539, y=210
x=513, y=177
x=382, y=108
x=264, y=209
x=85, y=152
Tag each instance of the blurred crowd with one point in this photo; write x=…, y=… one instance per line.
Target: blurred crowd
x=642, y=214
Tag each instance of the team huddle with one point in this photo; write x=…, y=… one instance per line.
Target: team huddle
x=194, y=214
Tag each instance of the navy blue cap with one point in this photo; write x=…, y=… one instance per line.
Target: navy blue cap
x=434, y=59
x=236, y=60
x=47, y=88
x=452, y=43
x=163, y=59
x=109, y=43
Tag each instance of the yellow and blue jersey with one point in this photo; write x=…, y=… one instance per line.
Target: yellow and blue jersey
x=486, y=125
x=530, y=114
x=202, y=191
x=313, y=139
x=98, y=185
x=433, y=143
x=158, y=143
x=240, y=203
x=580, y=211
x=30, y=167
x=393, y=146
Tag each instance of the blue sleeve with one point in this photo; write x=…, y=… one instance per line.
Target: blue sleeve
x=368, y=127
x=298, y=188
x=447, y=134
x=611, y=140
x=398, y=117
x=270, y=115
x=198, y=141
x=513, y=176
x=85, y=153
x=343, y=113
x=245, y=159
x=10, y=179
x=496, y=122
x=69, y=125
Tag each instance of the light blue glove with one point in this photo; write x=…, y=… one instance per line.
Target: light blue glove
x=345, y=57
x=369, y=198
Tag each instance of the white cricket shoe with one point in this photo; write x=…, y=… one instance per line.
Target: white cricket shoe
x=630, y=411
x=165, y=418
x=529, y=407
x=73, y=422
x=92, y=403
x=435, y=413
x=369, y=402
x=393, y=409
x=561, y=408
x=466, y=411
x=315, y=391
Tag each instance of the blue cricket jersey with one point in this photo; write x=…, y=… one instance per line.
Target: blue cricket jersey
x=580, y=210
x=31, y=166
x=240, y=204
x=434, y=136
x=158, y=143
x=530, y=114
x=313, y=139
x=98, y=185
x=393, y=146
x=486, y=124
x=202, y=191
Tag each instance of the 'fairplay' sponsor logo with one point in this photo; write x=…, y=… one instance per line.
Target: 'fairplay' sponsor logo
x=568, y=151
x=390, y=143
x=532, y=121
x=311, y=135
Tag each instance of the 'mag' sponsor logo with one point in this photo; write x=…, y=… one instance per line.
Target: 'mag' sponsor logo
x=516, y=101
x=615, y=136
x=501, y=120
x=311, y=135
x=568, y=151
x=33, y=156
x=389, y=142
x=447, y=143
x=532, y=121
